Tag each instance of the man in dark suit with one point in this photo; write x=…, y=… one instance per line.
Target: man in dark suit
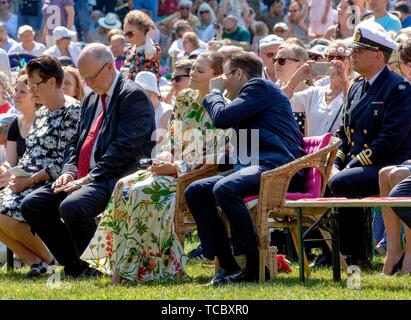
x=114, y=133
x=376, y=132
x=263, y=113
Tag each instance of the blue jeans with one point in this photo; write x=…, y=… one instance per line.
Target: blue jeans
x=82, y=17
x=148, y=5
x=34, y=21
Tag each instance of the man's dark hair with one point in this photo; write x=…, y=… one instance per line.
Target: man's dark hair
x=47, y=68
x=248, y=62
x=402, y=6
x=387, y=56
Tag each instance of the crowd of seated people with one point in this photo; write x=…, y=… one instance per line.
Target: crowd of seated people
x=84, y=118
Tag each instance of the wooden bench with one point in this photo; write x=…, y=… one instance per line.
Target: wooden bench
x=333, y=204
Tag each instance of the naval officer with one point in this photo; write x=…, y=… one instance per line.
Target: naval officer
x=375, y=133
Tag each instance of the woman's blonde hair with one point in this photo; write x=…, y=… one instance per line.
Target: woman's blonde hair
x=5, y=83
x=79, y=86
x=192, y=38
x=298, y=52
x=25, y=80
x=139, y=19
x=114, y=32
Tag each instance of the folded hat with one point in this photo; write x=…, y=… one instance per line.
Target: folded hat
x=270, y=40
x=62, y=32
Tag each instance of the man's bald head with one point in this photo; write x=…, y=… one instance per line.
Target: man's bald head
x=96, y=52
x=230, y=24
x=96, y=66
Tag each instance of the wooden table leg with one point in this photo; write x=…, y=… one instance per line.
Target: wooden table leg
x=10, y=260
x=298, y=212
x=335, y=246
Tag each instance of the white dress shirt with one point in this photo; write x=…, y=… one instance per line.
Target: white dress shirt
x=109, y=95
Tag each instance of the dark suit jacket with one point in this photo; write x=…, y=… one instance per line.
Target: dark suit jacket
x=260, y=105
x=376, y=125
x=124, y=137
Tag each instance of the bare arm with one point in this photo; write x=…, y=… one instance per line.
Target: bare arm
x=70, y=16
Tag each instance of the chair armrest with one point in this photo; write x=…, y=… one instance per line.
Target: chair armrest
x=274, y=183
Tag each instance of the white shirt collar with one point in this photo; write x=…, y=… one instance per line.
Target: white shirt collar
x=374, y=77
x=110, y=91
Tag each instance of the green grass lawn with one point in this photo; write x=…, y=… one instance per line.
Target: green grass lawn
x=13, y=285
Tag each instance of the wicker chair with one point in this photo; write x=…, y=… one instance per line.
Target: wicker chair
x=270, y=212
x=183, y=219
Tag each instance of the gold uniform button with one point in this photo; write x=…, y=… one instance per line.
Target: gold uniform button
x=352, y=130
x=365, y=145
x=352, y=143
x=353, y=156
x=365, y=131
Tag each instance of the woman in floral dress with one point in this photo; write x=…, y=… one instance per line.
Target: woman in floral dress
x=54, y=124
x=135, y=239
x=143, y=54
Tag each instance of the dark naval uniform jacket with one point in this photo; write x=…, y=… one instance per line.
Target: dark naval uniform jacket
x=376, y=126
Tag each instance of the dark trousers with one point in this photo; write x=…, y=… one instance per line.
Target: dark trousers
x=105, y=6
x=351, y=183
x=403, y=189
x=66, y=222
x=226, y=191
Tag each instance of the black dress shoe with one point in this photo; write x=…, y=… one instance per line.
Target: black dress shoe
x=239, y=277
x=364, y=263
x=89, y=273
x=220, y=276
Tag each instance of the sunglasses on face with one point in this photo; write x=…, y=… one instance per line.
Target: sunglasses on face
x=129, y=34
x=331, y=58
x=184, y=8
x=281, y=61
x=202, y=12
x=314, y=57
x=179, y=77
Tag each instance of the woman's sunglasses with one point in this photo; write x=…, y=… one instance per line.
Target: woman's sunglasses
x=206, y=11
x=129, y=34
x=331, y=58
x=281, y=61
x=179, y=77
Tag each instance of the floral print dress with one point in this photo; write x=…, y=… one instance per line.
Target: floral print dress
x=135, y=61
x=46, y=143
x=135, y=238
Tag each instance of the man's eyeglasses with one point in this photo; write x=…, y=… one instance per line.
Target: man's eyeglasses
x=226, y=75
x=340, y=58
x=293, y=11
x=228, y=30
x=179, y=77
x=34, y=86
x=206, y=11
x=269, y=54
x=281, y=61
x=92, y=78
